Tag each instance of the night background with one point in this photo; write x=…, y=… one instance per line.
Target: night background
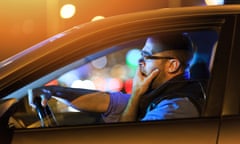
x=27, y=22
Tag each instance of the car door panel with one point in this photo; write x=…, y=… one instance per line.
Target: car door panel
x=187, y=131
x=230, y=125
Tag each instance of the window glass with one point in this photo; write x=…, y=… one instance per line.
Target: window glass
x=111, y=71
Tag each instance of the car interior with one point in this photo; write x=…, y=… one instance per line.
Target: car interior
x=108, y=70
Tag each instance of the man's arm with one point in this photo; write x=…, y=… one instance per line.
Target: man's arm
x=82, y=99
x=94, y=102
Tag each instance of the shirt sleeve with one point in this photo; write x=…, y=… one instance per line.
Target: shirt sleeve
x=118, y=102
x=172, y=109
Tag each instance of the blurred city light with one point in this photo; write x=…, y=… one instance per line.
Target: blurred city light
x=114, y=84
x=99, y=83
x=51, y=83
x=214, y=2
x=100, y=62
x=128, y=86
x=97, y=18
x=132, y=57
x=68, y=78
x=85, y=84
x=67, y=11
x=119, y=71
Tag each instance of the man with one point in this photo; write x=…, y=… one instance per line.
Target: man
x=162, y=88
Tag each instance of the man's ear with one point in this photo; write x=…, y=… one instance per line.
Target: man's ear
x=174, y=65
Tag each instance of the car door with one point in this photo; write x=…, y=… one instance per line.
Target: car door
x=230, y=125
x=194, y=130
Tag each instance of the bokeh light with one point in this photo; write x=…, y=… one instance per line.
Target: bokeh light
x=51, y=83
x=128, y=86
x=108, y=84
x=100, y=62
x=132, y=57
x=100, y=83
x=68, y=78
x=97, y=18
x=114, y=84
x=67, y=11
x=85, y=84
x=214, y=2
x=119, y=71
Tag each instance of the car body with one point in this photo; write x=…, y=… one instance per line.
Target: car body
x=216, y=31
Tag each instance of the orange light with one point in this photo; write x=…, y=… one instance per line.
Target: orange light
x=53, y=82
x=67, y=11
x=97, y=18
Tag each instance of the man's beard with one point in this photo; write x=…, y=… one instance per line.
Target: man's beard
x=145, y=74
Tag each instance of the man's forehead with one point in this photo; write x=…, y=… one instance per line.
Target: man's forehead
x=152, y=46
x=157, y=44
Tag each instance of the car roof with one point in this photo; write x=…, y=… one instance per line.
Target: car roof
x=161, y=13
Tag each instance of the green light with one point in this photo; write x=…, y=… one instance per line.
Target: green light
x=132, y=57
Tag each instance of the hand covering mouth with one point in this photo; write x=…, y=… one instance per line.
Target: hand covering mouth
x=143, y=72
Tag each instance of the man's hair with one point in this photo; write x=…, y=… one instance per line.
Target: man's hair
x=175, y=41
x=183, y=56
x=179, y=45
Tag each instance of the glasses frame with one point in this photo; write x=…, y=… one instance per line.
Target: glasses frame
x=146, y=57
x=156, y=57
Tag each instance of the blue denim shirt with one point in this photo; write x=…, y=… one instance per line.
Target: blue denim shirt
x=166, y=109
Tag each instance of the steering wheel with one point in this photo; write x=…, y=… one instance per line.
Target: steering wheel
x=45, y=114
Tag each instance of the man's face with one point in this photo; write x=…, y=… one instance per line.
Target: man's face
x=153, y=58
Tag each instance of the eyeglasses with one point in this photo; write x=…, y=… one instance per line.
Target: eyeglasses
x=149, y=57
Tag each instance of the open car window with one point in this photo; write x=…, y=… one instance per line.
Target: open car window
x=110, y=70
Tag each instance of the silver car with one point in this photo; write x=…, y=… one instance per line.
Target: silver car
x=102, y=55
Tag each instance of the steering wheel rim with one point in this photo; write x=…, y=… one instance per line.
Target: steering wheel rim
x=45, y=114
